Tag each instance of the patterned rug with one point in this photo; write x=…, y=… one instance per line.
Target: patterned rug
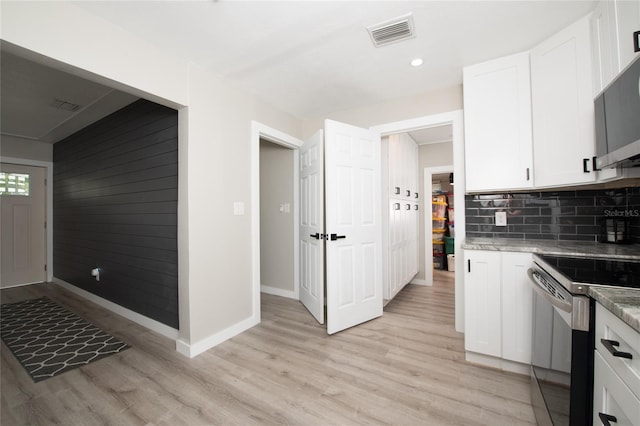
x=49, y=340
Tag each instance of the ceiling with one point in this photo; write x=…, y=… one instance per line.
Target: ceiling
x=311, y=59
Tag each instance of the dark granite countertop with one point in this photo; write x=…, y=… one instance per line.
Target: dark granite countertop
x=622, y=302
x=558, y=248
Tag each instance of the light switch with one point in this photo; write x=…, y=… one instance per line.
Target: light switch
x=501, y=218
x=238, y=208
x=287, y=208
x=281, y=208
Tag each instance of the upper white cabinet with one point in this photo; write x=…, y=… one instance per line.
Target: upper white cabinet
x=562, y=105
x=612, y=26
x=497, y=119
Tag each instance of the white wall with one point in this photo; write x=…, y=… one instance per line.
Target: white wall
x=276, y=227
x=419, y=105
x=433, y=155
x=214, y=245
x=15, y=147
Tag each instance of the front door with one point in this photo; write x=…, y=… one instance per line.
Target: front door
x=22, y=224
x=352, y=225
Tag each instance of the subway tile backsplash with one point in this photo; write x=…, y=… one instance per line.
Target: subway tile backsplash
x=563, y=215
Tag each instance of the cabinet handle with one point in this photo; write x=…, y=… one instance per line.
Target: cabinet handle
x=468, y=265
x=528, y=174
x=595, y=168
x=397, y=190
x=396, y=206
x=408, y=193
x=416, y=196
x=607, y=418
x=585, y=165
x=611, y=346
x=408, y=207
x=415, y=207
x=636, y=41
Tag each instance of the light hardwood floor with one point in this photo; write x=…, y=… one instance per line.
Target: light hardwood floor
x=406, y=368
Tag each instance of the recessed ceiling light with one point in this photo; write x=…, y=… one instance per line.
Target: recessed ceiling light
x=416, y=62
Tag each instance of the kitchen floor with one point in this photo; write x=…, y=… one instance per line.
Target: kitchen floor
x=406, y=367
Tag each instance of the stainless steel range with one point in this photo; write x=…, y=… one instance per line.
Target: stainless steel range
x=563, y=332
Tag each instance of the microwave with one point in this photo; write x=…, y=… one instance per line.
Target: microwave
x=617, y=120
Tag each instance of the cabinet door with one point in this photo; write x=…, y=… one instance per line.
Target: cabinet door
x=516, y=307
x=563, y=113
x=604, y=48
x=497, y=121
x=627, y=19
x=611, y=397
x=482, y=302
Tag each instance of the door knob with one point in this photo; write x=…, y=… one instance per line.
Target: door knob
x=316, y=236
x=337, y=237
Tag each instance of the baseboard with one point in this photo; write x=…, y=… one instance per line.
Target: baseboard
x=498, y=363
x=194, y=349
x=279, y=292
x=419, y=281
x=147, y=322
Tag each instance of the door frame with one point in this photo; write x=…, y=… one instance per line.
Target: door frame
x=428, y=224
x=48, y=204
x=258, y=131
x=455, y=119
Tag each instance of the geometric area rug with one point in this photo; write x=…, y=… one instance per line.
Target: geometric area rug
x=49, y=340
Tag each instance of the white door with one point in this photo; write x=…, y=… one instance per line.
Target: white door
x=22, y=225
x=353, y=225
x=312, y=226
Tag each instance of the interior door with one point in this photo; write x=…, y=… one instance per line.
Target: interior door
x=22, y=224
x=353, y=225
x=312, y=226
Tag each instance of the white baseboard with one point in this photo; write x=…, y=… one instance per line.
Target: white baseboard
x=499, y=363
x=279, y=292
x=191, y=350
x=147, y=322
x=419, y=281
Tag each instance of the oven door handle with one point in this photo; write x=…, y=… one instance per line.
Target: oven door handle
x=565, y=306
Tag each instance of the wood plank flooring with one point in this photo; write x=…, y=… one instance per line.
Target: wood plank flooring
x=406, y=368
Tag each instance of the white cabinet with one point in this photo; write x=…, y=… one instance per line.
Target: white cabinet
x=562, y=106
x=616, y=382
x=612, y=26
x=400, y=205
x=497, y=120
x=516, y=307
x=498, y=304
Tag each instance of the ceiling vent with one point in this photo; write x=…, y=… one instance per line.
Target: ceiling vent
x=64, y=105
x=392, y=31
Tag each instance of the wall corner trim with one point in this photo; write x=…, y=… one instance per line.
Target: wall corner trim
x=195, y=349
x=147, y=322
x=289, y=294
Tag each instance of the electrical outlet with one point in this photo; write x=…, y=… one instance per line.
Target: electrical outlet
x=501, y=218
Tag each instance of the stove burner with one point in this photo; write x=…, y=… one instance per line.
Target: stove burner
x=597, y=271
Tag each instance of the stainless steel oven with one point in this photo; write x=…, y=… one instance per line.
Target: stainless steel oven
x=563, y=332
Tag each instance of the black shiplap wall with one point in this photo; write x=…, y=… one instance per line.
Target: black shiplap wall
x=115, y=187
x=563, y=215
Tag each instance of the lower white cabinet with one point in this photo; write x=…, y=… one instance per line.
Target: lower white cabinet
x=498, y=304
x=616, y=378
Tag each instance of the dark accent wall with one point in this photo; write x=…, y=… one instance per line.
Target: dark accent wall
x=564, y=215
x=115, y=199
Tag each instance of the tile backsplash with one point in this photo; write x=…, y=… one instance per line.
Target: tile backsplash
x=562, y=215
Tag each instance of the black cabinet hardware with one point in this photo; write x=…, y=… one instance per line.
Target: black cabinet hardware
x=585, y=165
x=611, y=346
x=396, y=206
x=397, y=190
x=528, y=174
x=416, y=195
x=636, y=41
x=415, y=207
x=594, y=167
x=407, y=207
x=469, y=265
x=408, y=193
x=316, y=236
x=606, y=419
x=337, y=237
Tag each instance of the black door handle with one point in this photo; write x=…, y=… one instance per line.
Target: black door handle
x=607, y=418
x=594, y=166
x=585, y=165
x=316, y=236
x=337, y=237
x=611, y=347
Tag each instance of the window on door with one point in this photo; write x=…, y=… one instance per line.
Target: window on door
x=14, y=184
